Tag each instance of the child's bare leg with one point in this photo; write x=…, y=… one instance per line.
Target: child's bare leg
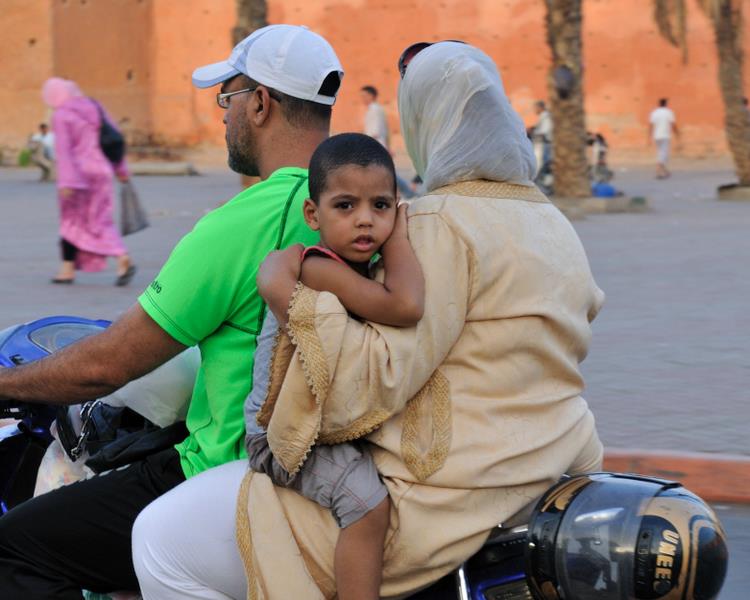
x=358, y=563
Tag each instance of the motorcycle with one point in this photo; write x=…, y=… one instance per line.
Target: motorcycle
x=496, y=572
x=603, y=536
x=24, y=441
x=607, y=536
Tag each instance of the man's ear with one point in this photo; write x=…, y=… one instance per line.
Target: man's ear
x=260, y=106
x=310, y=212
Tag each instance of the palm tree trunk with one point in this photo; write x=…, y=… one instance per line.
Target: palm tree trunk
x=570, y=168
x=727, y=22
x=251, y=15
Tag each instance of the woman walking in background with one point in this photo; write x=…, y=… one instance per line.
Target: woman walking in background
x=85, y=186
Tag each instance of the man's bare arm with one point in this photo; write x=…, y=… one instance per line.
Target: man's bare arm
x=94, y=367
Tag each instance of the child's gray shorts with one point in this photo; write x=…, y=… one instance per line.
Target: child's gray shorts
x=341, y=477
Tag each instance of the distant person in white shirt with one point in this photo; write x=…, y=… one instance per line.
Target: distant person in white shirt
x=376, y=126
x=42, y=146
x=662, y=125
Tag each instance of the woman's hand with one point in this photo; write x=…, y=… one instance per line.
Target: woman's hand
x=277, y=278
x=66, y=192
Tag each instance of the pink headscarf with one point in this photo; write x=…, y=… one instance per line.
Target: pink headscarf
x=56, y=91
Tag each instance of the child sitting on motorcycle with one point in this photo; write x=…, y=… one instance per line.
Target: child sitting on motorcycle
x=352, y=203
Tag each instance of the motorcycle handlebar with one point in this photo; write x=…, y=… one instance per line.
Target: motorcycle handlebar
x=14, y=410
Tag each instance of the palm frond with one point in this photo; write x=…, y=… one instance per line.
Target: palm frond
x=681, y=10
x=663, y=19
x=671, y=19
x=710, y=7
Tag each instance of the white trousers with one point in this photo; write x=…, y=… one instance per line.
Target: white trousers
x=184, y=542
x=662, y=150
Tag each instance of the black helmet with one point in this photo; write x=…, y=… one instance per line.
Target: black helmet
x=609, y=536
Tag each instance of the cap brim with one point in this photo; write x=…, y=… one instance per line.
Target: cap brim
x=210, y=75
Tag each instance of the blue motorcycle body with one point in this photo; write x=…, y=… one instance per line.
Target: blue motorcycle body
x=23, y=443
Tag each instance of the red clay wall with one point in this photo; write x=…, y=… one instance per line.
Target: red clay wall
x=104, y=46
x=628, y=65
x=137, y=56
x=187, y=34
x=26, y=63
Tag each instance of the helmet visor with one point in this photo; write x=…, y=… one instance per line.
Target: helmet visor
x=597, y=539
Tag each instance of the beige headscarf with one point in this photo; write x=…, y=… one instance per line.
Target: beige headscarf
x=457, y=121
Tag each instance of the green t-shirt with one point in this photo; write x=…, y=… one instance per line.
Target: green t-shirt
x=206, y=294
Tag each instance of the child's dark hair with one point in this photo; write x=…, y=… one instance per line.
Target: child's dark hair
x=346, y=149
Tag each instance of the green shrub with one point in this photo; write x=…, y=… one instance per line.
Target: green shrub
x=24, y=158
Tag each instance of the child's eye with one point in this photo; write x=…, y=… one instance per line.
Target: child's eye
x=382, y=205
x=344, y=205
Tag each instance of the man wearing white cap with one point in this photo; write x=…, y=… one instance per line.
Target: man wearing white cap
x=277, y=88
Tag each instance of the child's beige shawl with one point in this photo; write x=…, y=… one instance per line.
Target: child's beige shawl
x=478, y=406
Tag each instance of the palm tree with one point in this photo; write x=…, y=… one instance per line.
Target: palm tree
x=251, y=15
x=565, y=81
x=727, y=23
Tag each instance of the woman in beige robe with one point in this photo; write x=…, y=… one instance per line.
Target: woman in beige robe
x=473, y=413
x=478, y=407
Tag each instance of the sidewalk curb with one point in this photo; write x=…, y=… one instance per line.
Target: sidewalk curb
x=146, y=167
x=714, y=477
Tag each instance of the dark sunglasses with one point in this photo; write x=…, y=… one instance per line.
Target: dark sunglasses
x=408, y=55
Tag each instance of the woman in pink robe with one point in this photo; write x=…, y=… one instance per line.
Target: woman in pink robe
x=85, y=186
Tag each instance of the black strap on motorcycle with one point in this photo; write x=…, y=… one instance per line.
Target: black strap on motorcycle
x=137, y=445
x=114, y=436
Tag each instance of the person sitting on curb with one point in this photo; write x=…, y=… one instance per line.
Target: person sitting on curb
x=42, y=147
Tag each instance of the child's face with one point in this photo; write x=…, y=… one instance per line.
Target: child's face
x=356, y=211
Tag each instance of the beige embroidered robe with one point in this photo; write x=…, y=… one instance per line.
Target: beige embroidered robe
x=479, y=405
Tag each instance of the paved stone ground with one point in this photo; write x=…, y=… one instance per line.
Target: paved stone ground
x=669, y=366
x=29, y=252
x=736, y=521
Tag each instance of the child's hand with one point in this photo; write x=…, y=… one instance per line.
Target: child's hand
x=279, y=267
x=400, y=229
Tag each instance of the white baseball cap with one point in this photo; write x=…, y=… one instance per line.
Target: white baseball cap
x=288, y=58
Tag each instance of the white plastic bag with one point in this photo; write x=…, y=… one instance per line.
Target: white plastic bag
x=163, y=395
x=57, y=470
